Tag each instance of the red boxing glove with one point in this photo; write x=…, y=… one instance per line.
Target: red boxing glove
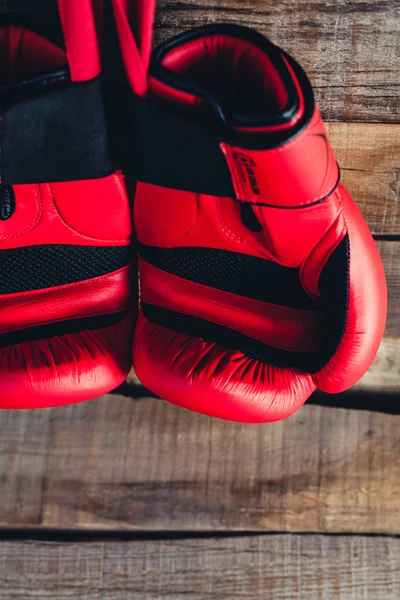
x=260, y=280
x=65, y=255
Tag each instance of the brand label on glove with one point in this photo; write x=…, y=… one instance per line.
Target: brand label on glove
x=298, y=173
x=243, y=169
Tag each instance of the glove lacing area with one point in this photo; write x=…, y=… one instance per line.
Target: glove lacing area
x=65, y=318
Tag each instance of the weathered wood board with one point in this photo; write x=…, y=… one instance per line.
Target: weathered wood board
x=116, y=463
x=384, y=373
x=390, y=253
x=350, y=50
x=369, y=159
x=271, y=567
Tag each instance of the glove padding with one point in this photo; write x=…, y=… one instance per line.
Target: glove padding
x=260, y=280
x=65, y=306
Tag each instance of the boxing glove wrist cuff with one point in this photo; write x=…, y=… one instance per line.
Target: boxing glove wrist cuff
x=230, y=154
x=36, y=145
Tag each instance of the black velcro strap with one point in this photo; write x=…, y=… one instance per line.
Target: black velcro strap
x=156, y=144
x=159, y=143
x=58, y=135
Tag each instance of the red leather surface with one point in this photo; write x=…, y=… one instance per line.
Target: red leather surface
x=78, y=366
x=302, y=217
x=24, y=54
x=172, y=218
x=66, y=368
x=279, y=326
x=300, y=173
x=80, y=36
x=367, y=307
x=88, y=213
x=212, y=380
x=285, y=186
x=104, y=295
x=135, y=21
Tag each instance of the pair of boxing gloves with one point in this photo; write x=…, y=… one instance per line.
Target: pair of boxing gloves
x=259, y=278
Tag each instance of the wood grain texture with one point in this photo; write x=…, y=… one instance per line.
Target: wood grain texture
x=384, y=373
x=271, y=567
x=350, y=50
x=116, y=464
x=390, y=253
x=369, y=159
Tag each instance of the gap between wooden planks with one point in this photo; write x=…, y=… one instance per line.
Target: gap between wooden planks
x=279, y=567
x=119, y=464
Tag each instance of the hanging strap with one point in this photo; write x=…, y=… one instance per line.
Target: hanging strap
x=61, y=134
x=135, y=22
x=80, y=35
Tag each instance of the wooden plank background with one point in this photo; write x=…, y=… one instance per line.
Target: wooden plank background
x=145, y=465
x=246, y=568
x=350, y=50
x=390, y=252
x=384, y=374
x=369, y=159
x=140, y=467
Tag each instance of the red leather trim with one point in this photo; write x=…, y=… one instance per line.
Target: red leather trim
x=80, y=35
x=104, y=295
x=297, y=174
x=173, y=95
x=292, y=235
x=135, y=21
x=214, y=52
x=288, y=124
x=290, y=329
x=146, y=11
x=367, y=311
x=24, y=53
x=173, y=218
x=183, y=57
x=311, y=269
